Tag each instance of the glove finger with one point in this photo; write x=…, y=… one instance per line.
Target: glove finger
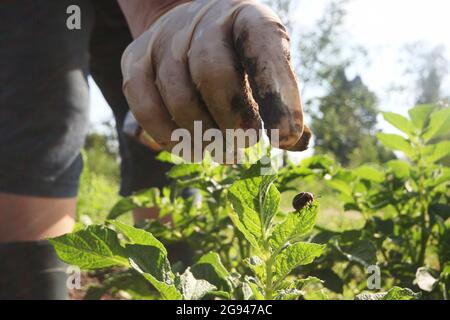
x=173, y=77
x=219, y=77
x=262, y=44
x=142, y=94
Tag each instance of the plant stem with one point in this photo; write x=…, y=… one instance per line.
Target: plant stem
x=269, y=289
x=412, y=254
x=425, y=234
x=444, y=291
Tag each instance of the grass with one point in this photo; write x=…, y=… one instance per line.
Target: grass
x=98, y=189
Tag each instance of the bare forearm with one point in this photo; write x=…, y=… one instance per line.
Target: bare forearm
x=141, y=13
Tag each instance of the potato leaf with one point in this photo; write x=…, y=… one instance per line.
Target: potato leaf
x=92, y=248
x=296, y=225
x=401, y=169
x=210, y=268
x=370, y=173
x=396, y=142
x=144, y=199
x=255, y=202
x=400, y=122
x=363, y=252
x=436, y=152
x=192, y=288
x=297, y=254
x=137, y=236
x=420, y=115
x=185, y=170
x=439, y=124
x=153, y=264
x=396, y=293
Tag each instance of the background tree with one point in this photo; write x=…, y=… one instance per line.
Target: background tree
x=343, y=111
x=428, y=68
x=318, y=48
x=345, y=122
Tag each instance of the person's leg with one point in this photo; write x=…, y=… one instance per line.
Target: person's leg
x=24, y=218
x=43, y=122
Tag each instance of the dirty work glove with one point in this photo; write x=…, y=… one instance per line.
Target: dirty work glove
x=223, y=62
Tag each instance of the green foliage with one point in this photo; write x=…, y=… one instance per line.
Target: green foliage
x=395, y=293
x=92, y=248
x=270, y=243
x=413, y=194
x=277, y=246
x=101, y=155
x=99, y=180
x=246, y=247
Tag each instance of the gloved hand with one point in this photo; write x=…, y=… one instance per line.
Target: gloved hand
x=223, y=62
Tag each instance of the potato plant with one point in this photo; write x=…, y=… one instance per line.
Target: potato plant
x=405, y=204
x=245, y=248
x=242, y=246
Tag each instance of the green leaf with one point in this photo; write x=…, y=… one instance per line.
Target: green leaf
x=383, y=226
x=143, y=199
x=330, y=279
x=185, y=170
x=296, y=225
x=370, y=296
x=400, y=122
x=441, y=210
x=439, y=124
x=446, y=270
x=322, y=162
x=93, y=248
x=288, y=294
x=396, y=142
x=420, y=115
x=298, y=254
x=396, y=293
x=137, y=236
x=371, y=173
x=255, y=202
x=310, y=287
x=153, y=264
x=341, y=186
x=400, y=168
x=210, y=268
x=256, y=293
x=437, y=151
x=256, y=264
x=192, y=288
x=443, y=176
x=363, y=252
x=269, y=200
x=165, y=156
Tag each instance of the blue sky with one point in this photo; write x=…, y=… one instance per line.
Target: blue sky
x=383, y=27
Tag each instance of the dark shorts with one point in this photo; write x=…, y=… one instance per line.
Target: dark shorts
x=44, y=96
